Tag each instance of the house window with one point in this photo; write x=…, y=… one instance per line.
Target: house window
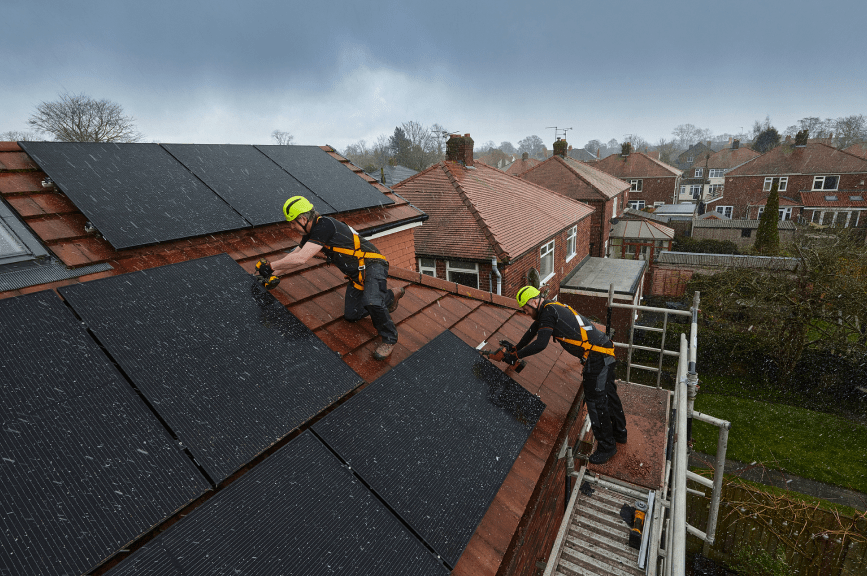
x=825, y=182
x=636, y=204
x=546, y=261
x=725, y=210
x=782, y=182
x=786, y=213
x=716, y=172
x=464, y=273
x=427, y=266
x=658, y=204
x=699, y=172
x=635, y=185
x=746, y=232
x=570, y=242
x=695, y=190
x=683, y=190
x=715, y=190
x=690, y=159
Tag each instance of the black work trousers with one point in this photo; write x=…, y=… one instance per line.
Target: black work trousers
x=373, y=301
x=603, y=404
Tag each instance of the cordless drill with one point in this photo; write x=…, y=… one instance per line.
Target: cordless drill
x=499, y=355
x=265, y=274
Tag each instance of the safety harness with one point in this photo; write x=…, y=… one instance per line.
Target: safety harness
x=360, y=255
x=585, y=344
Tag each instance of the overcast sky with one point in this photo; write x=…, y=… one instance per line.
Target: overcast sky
x=335, y=72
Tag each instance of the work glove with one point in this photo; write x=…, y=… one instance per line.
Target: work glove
x=510, y=358
x=508, y=346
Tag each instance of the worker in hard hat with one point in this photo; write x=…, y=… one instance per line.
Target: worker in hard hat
x=364, y=267
x=577, y=335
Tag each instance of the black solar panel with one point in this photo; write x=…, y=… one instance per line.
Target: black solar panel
x=248, y=180
x=435, y=438
x=326, y=177
x=222, y=362
x=298, y=513
x=135, y=194
x=85, y=467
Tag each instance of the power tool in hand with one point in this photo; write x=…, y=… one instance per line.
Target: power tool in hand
x=265, y=274
x=499, y=355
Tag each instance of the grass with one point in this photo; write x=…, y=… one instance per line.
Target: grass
x=810, y=444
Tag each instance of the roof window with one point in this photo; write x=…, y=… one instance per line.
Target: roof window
x=830, y=198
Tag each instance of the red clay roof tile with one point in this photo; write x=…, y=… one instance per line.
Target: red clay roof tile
x=809, y=159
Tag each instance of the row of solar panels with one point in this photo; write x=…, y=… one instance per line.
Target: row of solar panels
x=222, y=371
x=139, y=194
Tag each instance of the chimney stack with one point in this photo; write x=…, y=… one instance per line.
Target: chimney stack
x=525, y=155
x=560, y=147
x=460, y=149
x=736, y=144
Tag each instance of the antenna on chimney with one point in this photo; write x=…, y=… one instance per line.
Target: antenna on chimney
x=558, y=131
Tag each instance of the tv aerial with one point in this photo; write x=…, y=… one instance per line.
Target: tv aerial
x=558, y=132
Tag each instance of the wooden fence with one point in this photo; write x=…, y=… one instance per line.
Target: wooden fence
x=815, y=542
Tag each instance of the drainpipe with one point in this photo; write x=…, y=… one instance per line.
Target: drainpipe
x=496, y=271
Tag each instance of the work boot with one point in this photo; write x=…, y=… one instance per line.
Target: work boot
x=620, y=439
x=602, y=457
x=383, y=351
x=397, y=296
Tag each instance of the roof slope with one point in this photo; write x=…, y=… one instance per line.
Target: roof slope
x=521, y=165
x=636, y=165
x=728, y=158
x=859, y=149
x=481, y=212
x=809, y=159
x=646, y=229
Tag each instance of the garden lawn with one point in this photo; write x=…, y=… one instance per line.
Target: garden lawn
x=811, y=444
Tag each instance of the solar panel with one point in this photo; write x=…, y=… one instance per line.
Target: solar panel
x=135, y=194
x=248, y=180
x=299, y=512
x=85, y=467
x=326, y=177
x=435, y=438
x=222, y=362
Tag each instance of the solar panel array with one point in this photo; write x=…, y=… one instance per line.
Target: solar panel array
x=227, y=367
x=139, y=194
x=435, y=438
x=85, y=467
x=299, y=512
x=135, y=194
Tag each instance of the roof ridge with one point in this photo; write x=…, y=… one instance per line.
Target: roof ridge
x=489, y=234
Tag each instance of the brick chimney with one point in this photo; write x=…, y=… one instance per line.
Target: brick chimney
x=460, y=149
x=525, y=155
x=736, y=144
x=560, y=147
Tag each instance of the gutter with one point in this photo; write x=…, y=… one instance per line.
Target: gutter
x=393, y=227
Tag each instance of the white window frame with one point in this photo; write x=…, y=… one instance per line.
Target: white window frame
x=716, y=172
x=725, y=210
x=658, y=204
x=683, y=191
x=699, y=172
x=635, y=185
x=546, y=251
x=713, y=188
x=782, y=183
x=636, y=204
x=695, y=191
x=819, y=182
x=571, y=242
x=690, y=159
x=462, y=267
x=422, y=268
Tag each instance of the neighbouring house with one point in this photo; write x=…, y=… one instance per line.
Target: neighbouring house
x=672, y=271
x=588, y=286
x=741, y=232
x=704, y=180
x=493, y=231
x=679, y=216
x=796, y=169
x=693, y=154
x=580, y=154
x=586, y=183
x=496, y=158
x=652, y=182
x=391, y=175
x=103, y=424
x=843, y=210
x=639, y=239
x=858, y=149
x=520, y=166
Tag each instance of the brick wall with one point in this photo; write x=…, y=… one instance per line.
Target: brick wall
x=536, y=534
x=669, y=282
x=744, y=193
x=655, y=190
x=399, y=248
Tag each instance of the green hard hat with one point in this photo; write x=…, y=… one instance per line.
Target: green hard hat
x=526, y=294
x=296, y=206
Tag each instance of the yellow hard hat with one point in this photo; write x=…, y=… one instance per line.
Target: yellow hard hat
x=296, y=206
x=526, y=294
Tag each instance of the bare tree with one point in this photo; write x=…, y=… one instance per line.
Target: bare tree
x=17, y=136
x=282, y=138
x=532, y=145
x=639, y=144
x=508, y=148
x=815, y=127
x=688, y=134
x=850, y=129
x=667, y=150
x=80, y=118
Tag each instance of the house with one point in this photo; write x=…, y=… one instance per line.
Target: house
x=580, y=154
x=391, y=175
x=796, y=169
x=652, y=182
x=496, y=158
x=94, y=253
x=493, y=231
x=519, y=166
x=704, y=180
x=693, y=154
x=588, y=184
x=639, y=239
x=858, y=149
